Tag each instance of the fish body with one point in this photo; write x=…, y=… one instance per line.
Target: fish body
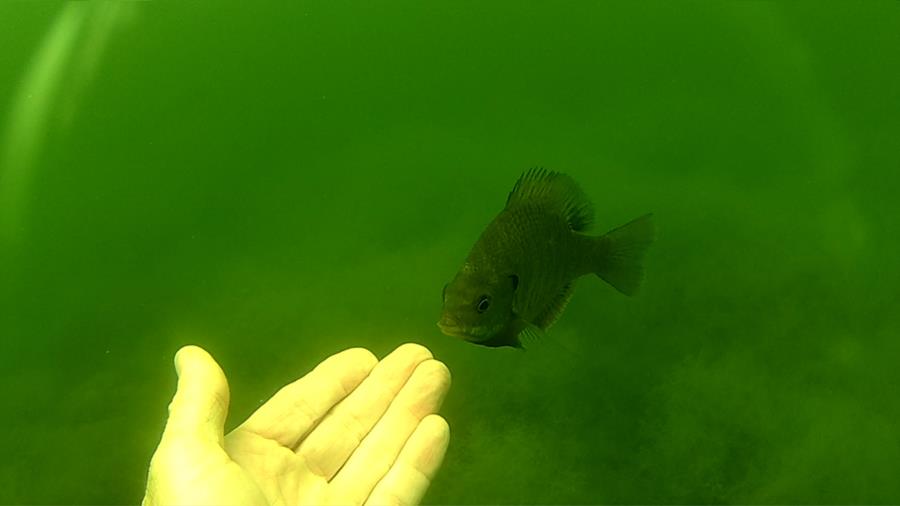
x=520, y=273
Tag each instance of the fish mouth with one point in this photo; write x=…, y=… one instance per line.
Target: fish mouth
x=451, y=329
x=473, y=335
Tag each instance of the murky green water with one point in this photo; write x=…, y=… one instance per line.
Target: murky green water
x=279, y=182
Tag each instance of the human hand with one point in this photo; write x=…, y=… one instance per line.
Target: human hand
x=352, y=431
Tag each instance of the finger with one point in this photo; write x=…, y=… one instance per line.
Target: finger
x=421, y=396
x=411, y=474
x=328, y=446
x=200, y=404
x=297, y=407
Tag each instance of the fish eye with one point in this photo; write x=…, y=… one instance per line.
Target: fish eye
x=483, y=303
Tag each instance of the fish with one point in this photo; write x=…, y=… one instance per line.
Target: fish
x=520, y=274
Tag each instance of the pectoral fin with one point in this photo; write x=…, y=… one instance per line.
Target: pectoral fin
x=509, y=336
x=555, y=307
x=531, y=333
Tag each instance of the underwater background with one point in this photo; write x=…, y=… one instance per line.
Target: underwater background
x=278, y=182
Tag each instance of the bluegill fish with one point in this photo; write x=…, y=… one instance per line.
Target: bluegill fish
x=520, y=274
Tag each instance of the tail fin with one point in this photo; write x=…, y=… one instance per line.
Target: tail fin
x=620, y=253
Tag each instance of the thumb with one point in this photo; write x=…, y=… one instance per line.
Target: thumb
x=200, y=404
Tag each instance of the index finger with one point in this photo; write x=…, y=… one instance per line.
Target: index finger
x=296, y=408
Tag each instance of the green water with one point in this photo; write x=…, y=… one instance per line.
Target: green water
x=280, y=182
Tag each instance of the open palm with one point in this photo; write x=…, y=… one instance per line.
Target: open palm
x=352, y=431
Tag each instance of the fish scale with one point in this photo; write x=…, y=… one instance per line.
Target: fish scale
x=539, y=233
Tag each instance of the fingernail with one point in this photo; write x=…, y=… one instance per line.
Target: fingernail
x=178, y=356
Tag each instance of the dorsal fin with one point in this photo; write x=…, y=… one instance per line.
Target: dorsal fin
x=558, y=191
x=554, y=307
